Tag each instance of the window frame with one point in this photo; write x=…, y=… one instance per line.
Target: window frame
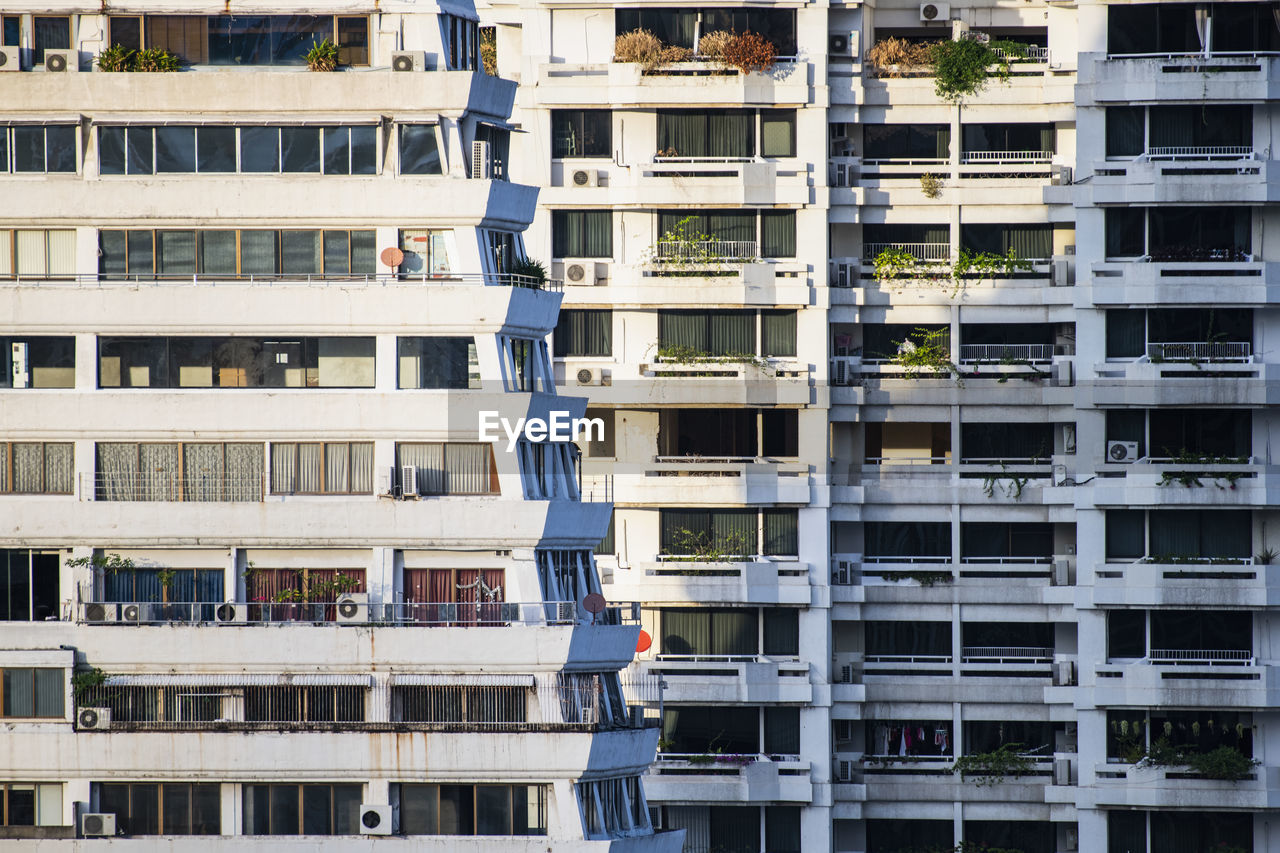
x=10, y=158
x=39, y=791
x=8, y=480
x=199, y=238
x=60, y=715
x=161, y=827
x=570, y=227
x=577, y=121
x=301, y=788
x=324, y=466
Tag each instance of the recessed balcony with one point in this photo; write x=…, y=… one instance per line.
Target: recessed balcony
x=729, y=778
x=1218, y=282
x=1129, y=786
x=1195, y=583
x=738, y=582
x=732, y=282
x=1178, y=76
x=1208, y=174
x=730, y=480
x=723, y=679
x=682, y=84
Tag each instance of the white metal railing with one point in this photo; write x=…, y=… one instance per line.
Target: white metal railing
x=1200, y=350
x=1006, y=157
x=1003, y=561
x=190, y=486
x=919, y=251
x=997, y=352
x=870, y=558
x=1199, y=152
x=909, y=658
x=211, y=279
x=1034, y=53
x=1201, y=656
x=890, y=461
x=906, y=161
x=662, y=158
x=1006, y=654
x=706, y=250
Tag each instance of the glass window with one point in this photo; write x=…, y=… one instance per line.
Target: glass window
x=582, y=233
x=10, y=30
x=364, y=150
x=32, y=692
x=584, y=333
x=353, y=41
x=260, y=149
x=216, y=149
x=111, y=156
x=29, y=585
x=39, y=148
x=778, y=133
x=473, y=809
x=581, y=133
x=175, y=149
x=126, y=31
x=441, y=362
x=301, y=149
x=50, y=34
x=419, y=152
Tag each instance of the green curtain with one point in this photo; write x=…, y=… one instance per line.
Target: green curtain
x=683, y=131
x=686, y=631
x=734, y=632
x=682, y=329
x=781, y=535
x=778, y=333
x=781, y=631
x=731, y=226
x=1126, y=534
x=1029, y=241
x=674, y=522
x=1125, y=131
x=778, y=234
x=734, y=531
x=1126, y=332
x=597, y=234
x=731, y=133
x=731, y=332
x=1173, y=126
x=583, y=332
x=782, y=731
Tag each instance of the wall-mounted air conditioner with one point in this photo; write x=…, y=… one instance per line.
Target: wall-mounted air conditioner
x=1122, y=451
x=481, y=160
x=100, y=612
x=62, y=60
x=585, y=272
x=93, y=719
x=135, y=613
x=935, y=11
x=353, y=607
x=375, y=819
x=97, y=825
x=585, y=177
x=409, y=60
x=230, y=613
x=594, y=376
x=9, y=58
x=408, y=481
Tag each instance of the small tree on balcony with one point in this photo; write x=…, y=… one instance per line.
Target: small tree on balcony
x=926, y=351
x=992, y=768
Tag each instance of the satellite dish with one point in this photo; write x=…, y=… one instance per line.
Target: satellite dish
x=644, y=642
x=392, y=257
x=593, y=603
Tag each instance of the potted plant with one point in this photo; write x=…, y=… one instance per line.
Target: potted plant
x=323, y=56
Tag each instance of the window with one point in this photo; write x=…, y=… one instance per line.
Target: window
x=38, y=148
x=707, y=133
x=144, y=150
x=172, y=808
x=266, y=40
x=1021, y=139
x=50, y=34
x=584, y=332
x=438, y=363
x=449, y=468
x=461, y=41
x=1025, y=835
x=566, y=575
x=1178, y=832
x=894, y=639
x=728, y=432
x=729, y=532
x=186, y=585
x=316, y=586
x=36, y=468
x=982, y=541
x=1179, y=234
x=36, y=362
x=888, y=539
x=29, y=585
x=323, y=703
x=906, y=141
x=26, y=692
x=491, y=704
x=899, y=835
x=612, y=807
x=678, y=26
x=1169, y=535
x=581, y=133
x=727, y=333
x=739, y=232
x=526, y=366
x=988, y=441
x=473, y=809
x=329, y=468
x=426, y=252
x=777, y=133
x=302, y=809
x=30, y=804
x=419, y=151
x=160, y=362
x=145, y=255
x=353, y=42
x=582, y=233
x=125, y=31
x=10, y=30
x=178, y=472
x=1032, y=241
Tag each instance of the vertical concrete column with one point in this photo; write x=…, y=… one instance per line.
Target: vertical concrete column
x=956, y=637
x=75, y=797
x=385, y=362
x=70, y=577
x=86, y=354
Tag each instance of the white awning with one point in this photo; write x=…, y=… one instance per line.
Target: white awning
x=247, y=679
x=461, y=679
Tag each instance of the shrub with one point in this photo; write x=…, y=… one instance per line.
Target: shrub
x=639, y=46
x=674, y=53
x=489, y=50
x=323, y=56
x=530, y=268
x=749, y=52
x=155, y=59
x=712, y=44
x=117, y=57
x=962, y=67
x=894, y=57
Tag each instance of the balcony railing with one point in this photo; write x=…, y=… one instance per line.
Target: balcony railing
x=706, y=251
x=1200, y=351
x=1006, y=654
x=210, y=279
x=1012, y=352
x=1006, y=157
x=1035, y=53
x=1201, y=657
x=484, y=614
x=1200, y=152
x=919, y=251
x=171, y=486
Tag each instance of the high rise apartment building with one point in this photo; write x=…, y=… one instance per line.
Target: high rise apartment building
x=261, y=583
x=1039, y=527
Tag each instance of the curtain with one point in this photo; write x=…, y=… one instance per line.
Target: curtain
x=696, y=823
x=310, y=468
x=258, y=253
x=1126, y=333
x=428, y=462
x=731, y=133
x=158, y=472
x=300, y=252
x=1173, y=126
x=731, y=226
x=362, y=467
x=781, y=535
x=218, y=253
x=117, y=471
x=5, y=485
x=734, y=829
x=908, y=539
x=244, y=465
x=685, y=631
x=1029, y=241
x=466, y=468
x=908, y=638
x=176, y=252
x=1202, y=28
x=733, y=531
x=778, y=333
x=1126, y=534
x=598, y=233
x=682, y=329
x=337, y=463
x=337, y=253
x=683, y=132
x=778, y=234
x=203, y=472
x=731, y=332
x=734, y=632
x=284, y=470
x=781, y=631
x=584, y=333
x=782, y=731
x=28, y=468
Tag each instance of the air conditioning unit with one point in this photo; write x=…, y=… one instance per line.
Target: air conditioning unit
x=1064, y=673
x=9, y=59
x=844, y=174
x=844, y=573
x=935, y=11
x=585, y=272
x=1061, y=573
x=21, y=376
x=846, y=674
x=1063, y=373
x=99, y=612
x=93, y=719
x=1062, y=771
x=838, y=44
x=62, y=60
x=637, y=716
x=353, y=607
x=375, y=819
x=594, y=376
x=408, y=481
x=585, y=177
x=1061, y=272
x=1068, y=438
x=1122, y=451
x=844, y=771
x=481, y=160
x=1061, y=176
x=231, y=612
x=134, y=613
x=97, y=825
x=409, y=60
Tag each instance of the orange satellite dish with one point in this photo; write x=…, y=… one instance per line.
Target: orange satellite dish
x=643, y=644
x=392, y=257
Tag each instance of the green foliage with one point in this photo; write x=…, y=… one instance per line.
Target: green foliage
x=895, y=264
x=85, y=681
x=683, y=354
x=1011, y=484
x=684, y=245
x=530, y=269
x=323, y=56
x=991, y=768
x=107, y=563
x=700, y=547
x=1266, y=556
x=489, y=50
x=963, y=67
x=926, y=351
x=1225, y=763
x=930, y=185
x=921, y=577
x=155, y=59
x=117, y=57
x=987, y=265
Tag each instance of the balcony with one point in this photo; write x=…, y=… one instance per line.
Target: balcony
x=746, y=582
x=1182, y=382
x=696, y=480
x=911, y=779
x=713, y=181
x=729, y=778
x=723, y=679
x=1130, y=786
x=1145, y=78
x=737, y=282
x=1198, y=584
x=1209, y=678
x=1220, y=282
x=764, y=382
x=1185, y=175
x=1034, y=84
x=680, y=84
x=1170, y=482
